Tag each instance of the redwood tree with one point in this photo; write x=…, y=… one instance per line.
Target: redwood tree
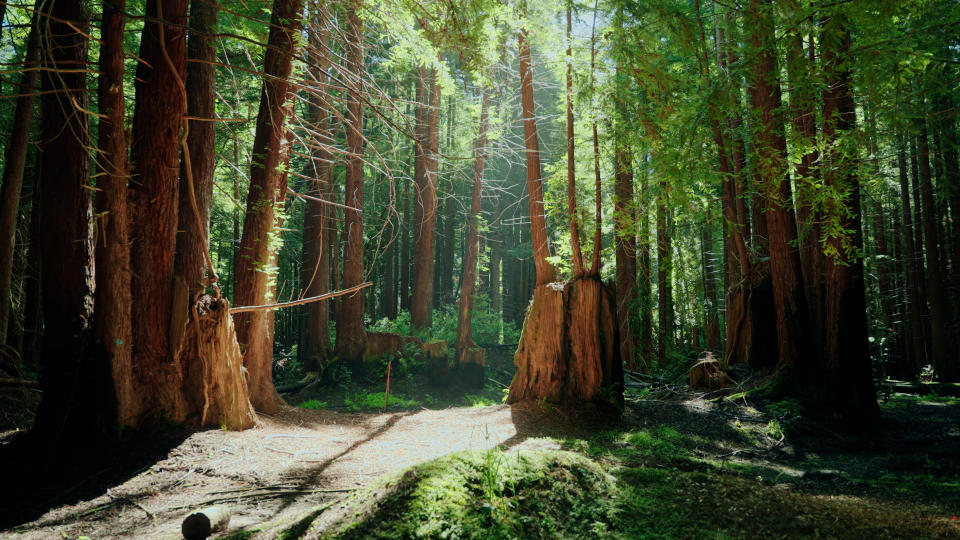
x=268, y=185
x=351, y=335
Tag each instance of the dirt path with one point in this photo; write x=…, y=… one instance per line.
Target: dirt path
x=287, y=464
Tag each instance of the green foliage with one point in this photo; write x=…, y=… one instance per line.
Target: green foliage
x=366, y=401
x=488, y=495
x=478, y=401
x=313, y=404
x=487, y=326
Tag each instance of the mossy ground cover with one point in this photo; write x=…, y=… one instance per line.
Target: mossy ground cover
x=679, y=469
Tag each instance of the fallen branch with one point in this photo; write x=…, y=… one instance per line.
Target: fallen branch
x=280, y=305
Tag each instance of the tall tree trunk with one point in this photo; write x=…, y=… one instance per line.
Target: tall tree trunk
x=114, y=304
x=191, y=272
x=425, y=194
x=467, y=351
x=803, y=120
x=645, y=299
x=626, y=251
x=916, y=357
x=14, y=161
x=351, y=335
x=571, y=157
x=538, y=218
x=848, y=380
x=268, y=185
x=665, y=330
x=66, y=232
x=792, y=317
x=710, y=290
x=405, y=249
x=160, y=105
x=450, y=217
x=939, y=352
x=315, y=272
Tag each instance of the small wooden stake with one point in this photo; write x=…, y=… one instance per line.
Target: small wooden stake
x=386, y=396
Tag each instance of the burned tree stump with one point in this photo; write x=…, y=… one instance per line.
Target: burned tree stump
x=568, y=350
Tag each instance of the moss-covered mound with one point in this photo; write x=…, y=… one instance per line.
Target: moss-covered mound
x=484, y=495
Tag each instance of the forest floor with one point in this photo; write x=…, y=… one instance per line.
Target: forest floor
x=683, y=464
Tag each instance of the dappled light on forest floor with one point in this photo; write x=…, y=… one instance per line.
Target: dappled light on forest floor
x=748, y=464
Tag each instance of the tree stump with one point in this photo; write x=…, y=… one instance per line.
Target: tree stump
x=707, y=374
x=438, y=364
x=471, y=366
x=214, y=380
x=569, y=349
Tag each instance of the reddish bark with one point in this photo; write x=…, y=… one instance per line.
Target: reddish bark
x=160, y=104
x=315, y=273
x=848, y=381
x=14, y=162
x=114, y=306
x=468, y=283
x=351, y=335
x=538, y=218
x=268, y=183
x=66, y=230
x=793, y=323
x=425, y=194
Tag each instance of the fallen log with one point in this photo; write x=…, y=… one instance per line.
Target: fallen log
x=204, y=522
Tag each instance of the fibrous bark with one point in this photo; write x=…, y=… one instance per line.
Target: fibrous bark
x=568, y=350
x=113, y=309
x=351, y=334
x=14, y=162
x=465, y=341
x=315, y=346
x=160, y=106
x=66, y=231
x=538, y=219
x=268, y=183
x=425, y=198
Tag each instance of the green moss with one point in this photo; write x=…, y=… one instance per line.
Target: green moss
x=361, y=401
x=533, y=495
x=313, y=404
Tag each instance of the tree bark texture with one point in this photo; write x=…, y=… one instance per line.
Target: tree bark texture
x=14, y=161
x=770, y=153
x=159, y=109
x=268, y=183
x=847, y=374
x=468, y=282
x=315, y=347
x=114, y=304
x=190, y=266
x=351, y=335
x=538, y=218
x=624, y=215
x=939, y=352
x=425, y=199
x=568, y=350
x=66, y=231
